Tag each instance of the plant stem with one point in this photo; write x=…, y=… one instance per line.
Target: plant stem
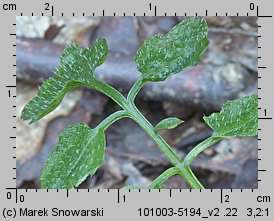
x=135, y=89
x=113, y=118
x=109, y=91
x=192, y=155
x=199, y=148
x=163, y=177
x=135, y=115
x=130, y=110
x=185, y=172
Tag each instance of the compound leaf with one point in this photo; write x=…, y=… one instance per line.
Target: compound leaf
x=236, y=118
x=80, y=152
x=182, y=47
x=75, y=69
x=168, y=123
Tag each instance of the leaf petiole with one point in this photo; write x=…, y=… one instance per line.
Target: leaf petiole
x=187, y=172
x=135, y=89
x=113, y=118
x=109, y=91
x=163, y=177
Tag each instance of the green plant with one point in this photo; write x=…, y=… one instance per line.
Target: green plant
x=80, y=149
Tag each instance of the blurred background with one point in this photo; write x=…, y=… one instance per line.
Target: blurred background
x=228, y=70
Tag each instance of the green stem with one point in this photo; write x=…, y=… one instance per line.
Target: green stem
x=109, y=91
x=164, y=147
x=113, y=118
x=163, y=177
x=194, y=182
x=135, y=89
x=130, y=110
x=139, y=118
x=191, y=179
x=199, y=148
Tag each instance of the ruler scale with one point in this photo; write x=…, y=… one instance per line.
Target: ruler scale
x=230, y=204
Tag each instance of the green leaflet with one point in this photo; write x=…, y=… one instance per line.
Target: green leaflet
x=236, y=118
x=80, y=152
x=168, y=123
x=76, y=68
x=164, y=55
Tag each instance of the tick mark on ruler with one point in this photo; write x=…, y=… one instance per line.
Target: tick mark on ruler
x=221, y=195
